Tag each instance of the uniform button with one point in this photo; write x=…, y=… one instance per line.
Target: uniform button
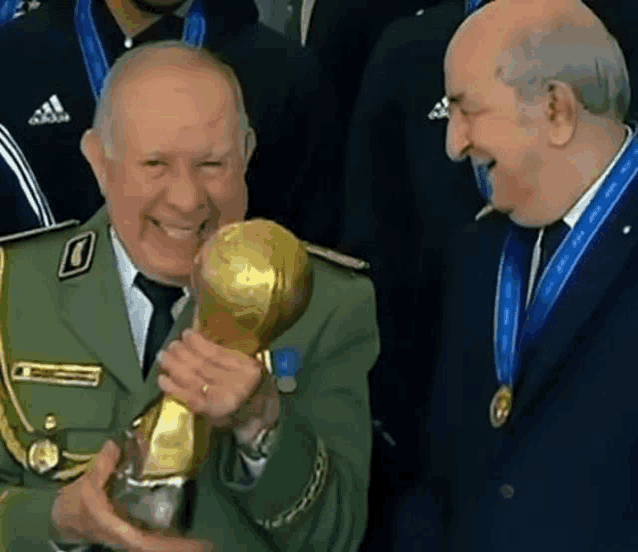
x=507, y=491
x=420, y=13
x=50, y=422
x=626, y=230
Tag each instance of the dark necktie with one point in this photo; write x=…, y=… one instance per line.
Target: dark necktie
x=552, y=238
x=163, y=298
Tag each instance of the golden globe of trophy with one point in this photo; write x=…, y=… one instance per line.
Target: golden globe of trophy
x=251, y=282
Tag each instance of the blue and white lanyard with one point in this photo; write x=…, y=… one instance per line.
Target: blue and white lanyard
x=509, y=311
x=94, y=58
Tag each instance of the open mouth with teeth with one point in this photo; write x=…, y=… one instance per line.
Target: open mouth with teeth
x=178, y=232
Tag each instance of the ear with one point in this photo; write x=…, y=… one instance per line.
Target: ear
x=250, y=143
x=93, y=149
x=561, y=113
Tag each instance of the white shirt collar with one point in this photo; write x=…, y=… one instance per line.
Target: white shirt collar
x=125, y=266
x=127, y=269
x=572, y=216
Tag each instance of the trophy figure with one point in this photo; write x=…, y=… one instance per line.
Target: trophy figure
x=251, y=282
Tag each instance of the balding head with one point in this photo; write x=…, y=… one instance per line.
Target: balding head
x=160, y=59
x=539, y=88
x=170, y=149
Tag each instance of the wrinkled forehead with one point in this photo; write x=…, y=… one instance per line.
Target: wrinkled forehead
x=172, y=98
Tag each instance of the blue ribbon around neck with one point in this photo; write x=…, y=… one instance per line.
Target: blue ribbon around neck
x=472, y=6
x=94, y=58
x=510, y=316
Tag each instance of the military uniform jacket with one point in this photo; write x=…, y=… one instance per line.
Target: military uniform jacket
x=562, y=474
x=311, y=495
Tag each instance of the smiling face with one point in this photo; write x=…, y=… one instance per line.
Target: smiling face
x=542, y=150
x=177, y=171
x=487, y=124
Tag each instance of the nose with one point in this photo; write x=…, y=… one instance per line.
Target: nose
x=184, y=192
x=457, y=138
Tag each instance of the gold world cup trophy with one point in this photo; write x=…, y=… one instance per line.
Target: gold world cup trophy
x=252, y=281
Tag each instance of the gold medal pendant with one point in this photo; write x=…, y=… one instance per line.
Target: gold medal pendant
x=501, y=406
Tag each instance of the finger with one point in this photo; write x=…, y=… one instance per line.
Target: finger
x=170, y=387
x=210, y=350
x=228, y=360
x=105, y=464
x=161, y=543
x=116, y=533
x=181, y=365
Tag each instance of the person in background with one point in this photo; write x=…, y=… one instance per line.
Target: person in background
x=60, y=53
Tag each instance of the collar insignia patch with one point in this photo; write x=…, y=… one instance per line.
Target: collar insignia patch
x=77, y=256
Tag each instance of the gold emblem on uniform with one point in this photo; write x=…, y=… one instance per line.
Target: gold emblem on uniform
x=50, y=422
x=76, y=375
x=43, y=456
x=77, y=256
x=501, y=406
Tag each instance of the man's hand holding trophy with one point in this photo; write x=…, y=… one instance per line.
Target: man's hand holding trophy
x=251, y=282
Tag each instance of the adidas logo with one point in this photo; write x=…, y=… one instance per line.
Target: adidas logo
x=50, y=112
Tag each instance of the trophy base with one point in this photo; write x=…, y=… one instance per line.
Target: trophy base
x=150, y=504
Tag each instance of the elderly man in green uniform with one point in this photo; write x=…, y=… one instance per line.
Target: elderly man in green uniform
x=169, y=149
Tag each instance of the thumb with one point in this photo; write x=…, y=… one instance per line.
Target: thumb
x=105, y=463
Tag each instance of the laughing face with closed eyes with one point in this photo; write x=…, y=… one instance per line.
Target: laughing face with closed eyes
x=176, y=172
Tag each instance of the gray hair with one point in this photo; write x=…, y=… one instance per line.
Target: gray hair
x=589, y=60
x=103, y=119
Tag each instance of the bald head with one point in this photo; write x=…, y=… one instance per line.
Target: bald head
x=527, y=43
x=538, y=91
x=160, y=68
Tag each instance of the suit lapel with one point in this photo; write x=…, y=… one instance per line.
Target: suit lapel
x=92, y=306
x=541, y=357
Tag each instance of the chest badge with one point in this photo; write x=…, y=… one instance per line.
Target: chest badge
x=43, y=456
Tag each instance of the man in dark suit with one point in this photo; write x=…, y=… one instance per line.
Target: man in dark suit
x=531, y=432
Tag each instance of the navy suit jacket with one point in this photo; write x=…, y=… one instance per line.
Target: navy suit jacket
x=562, y=474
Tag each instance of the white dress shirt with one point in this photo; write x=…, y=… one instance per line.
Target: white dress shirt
x=306, y=16
x=572, y=216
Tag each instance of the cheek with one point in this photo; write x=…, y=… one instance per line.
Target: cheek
x=229, y=194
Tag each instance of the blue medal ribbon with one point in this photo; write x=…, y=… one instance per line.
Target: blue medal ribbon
x=7, y=10
x=513, y=325
x=95, y=60
x=472, y=6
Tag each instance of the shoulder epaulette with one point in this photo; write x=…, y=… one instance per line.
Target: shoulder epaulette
x=37, y=231
x=336, y=257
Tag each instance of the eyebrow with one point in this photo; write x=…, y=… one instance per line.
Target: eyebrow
x=213, y=152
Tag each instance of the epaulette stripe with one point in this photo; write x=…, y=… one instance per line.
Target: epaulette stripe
x=336, y=257
x=8, y=436
x=38, y=231
x=3, y=360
